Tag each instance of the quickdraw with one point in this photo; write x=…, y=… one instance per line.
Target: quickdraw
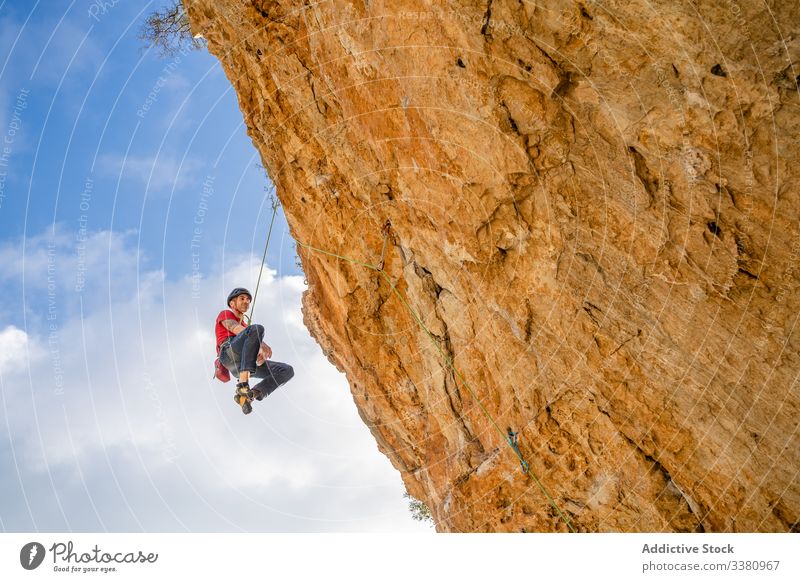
x=513, y=441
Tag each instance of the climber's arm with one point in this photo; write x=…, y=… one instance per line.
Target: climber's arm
x=233, y=326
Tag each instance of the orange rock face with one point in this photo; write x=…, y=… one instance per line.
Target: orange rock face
x=594, y=212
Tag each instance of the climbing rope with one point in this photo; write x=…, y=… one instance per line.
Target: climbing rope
x=275, y=206
x=511, y=438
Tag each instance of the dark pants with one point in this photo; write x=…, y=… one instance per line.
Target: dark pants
x=240, y=353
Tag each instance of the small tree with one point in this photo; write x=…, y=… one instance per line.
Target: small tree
x=419, y=511
x=169, y=30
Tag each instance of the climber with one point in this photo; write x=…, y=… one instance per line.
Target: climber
x=243, y=353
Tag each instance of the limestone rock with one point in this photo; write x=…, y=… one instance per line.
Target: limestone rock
x=594, y=211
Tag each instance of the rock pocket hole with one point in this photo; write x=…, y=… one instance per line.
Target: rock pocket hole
x=712, y=226
x=718, y=71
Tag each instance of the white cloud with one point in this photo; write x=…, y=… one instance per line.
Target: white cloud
x=156, y=173
x=56, y=273
x=126, y=415
x=13, y=346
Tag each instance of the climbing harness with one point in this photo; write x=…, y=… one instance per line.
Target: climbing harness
x=511, y=438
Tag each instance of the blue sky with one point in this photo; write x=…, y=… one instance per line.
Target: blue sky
x=78, y=87
x=131, y=201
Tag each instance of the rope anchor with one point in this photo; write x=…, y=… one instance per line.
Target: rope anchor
x=513, y=441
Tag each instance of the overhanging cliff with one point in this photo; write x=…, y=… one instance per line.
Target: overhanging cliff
x=594, y=209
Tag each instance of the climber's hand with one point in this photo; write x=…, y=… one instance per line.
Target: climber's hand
x=264, y=354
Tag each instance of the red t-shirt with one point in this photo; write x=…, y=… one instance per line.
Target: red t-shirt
x=222, y=333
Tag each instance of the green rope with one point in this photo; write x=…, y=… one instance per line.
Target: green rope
x=451, y=365
x=275, y=205
x=348, y=259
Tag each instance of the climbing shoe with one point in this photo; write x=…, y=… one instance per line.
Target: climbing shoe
x=243, y=397
x=257, y=394
x=243, y=388
x=244, y=403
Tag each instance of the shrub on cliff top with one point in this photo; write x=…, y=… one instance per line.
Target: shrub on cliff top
x=169, y=30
